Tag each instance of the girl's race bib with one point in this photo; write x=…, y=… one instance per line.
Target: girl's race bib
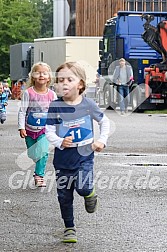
x=37, y=119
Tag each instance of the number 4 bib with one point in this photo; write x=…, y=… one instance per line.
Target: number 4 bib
x=37, y=120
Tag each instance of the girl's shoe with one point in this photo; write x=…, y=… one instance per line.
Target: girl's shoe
x=39, y=181
x=70, y=235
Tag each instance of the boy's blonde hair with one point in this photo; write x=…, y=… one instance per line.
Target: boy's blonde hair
x=77, y=70
x=34, y=68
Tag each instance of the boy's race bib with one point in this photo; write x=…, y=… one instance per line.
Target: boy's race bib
x=80, y=129
x=37, y=120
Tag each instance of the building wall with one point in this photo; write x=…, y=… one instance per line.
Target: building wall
x=91, y=15
x=55, y=51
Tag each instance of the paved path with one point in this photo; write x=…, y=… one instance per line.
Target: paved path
x=131, y=183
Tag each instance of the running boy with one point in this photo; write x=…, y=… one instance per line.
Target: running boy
x=3, y=104
x=32, y=118
x=69, y=128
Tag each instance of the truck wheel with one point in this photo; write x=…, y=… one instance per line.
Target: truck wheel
x=134, y=102
x=107, y=98
x=136, y=97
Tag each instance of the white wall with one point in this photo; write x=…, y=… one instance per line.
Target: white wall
x=86, y=51
x=58, y=50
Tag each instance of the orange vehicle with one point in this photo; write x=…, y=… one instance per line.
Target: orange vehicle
x=156, y=74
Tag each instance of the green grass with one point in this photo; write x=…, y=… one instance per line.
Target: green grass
x=163, y=111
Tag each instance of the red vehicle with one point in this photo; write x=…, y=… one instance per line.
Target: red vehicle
x=156, y=74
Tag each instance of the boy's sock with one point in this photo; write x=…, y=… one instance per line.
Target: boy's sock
x=91, y=194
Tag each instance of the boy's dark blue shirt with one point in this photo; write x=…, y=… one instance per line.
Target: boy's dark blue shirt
x=59, y=115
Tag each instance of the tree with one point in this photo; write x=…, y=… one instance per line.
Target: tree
x=20, y=21
x=46, y=10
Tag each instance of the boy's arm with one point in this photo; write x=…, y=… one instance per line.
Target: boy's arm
x=104, y=130
x=57, y=141
x=50, y=127
x=52, y=137
x=104, y=134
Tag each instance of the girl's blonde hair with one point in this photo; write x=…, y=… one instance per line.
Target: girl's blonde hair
x=77, y=70
x=34, y=68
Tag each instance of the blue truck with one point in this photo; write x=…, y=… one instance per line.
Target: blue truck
x=136, y=37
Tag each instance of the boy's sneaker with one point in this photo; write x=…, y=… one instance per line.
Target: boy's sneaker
x=39, y=181
x=91, y=203
x=70, y=235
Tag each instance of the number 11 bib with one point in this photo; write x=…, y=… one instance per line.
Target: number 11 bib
x=80, y=129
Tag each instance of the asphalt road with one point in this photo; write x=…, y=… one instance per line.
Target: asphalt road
x=131, y=182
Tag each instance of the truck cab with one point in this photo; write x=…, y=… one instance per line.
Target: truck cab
x=123, y=38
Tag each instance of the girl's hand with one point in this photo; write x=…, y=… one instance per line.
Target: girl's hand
x=97, y=146
x=67, y=142
x=5, y=104
x=23, y=133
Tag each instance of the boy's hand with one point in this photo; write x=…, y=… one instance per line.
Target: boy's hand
x=23, y=133
x=97, y=146
x=5, y=104
x=67, y=142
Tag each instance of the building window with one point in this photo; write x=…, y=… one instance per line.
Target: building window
x=145, y=5
x=41, y=56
